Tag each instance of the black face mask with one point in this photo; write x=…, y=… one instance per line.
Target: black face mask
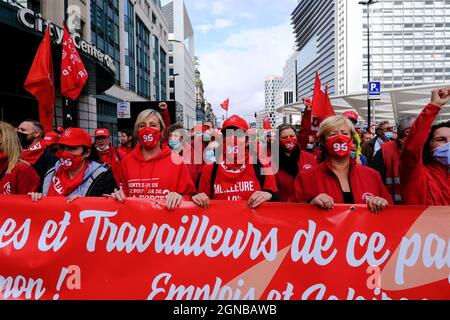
x=23, y=138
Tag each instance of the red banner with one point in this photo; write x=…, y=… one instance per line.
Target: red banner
x=100, y=249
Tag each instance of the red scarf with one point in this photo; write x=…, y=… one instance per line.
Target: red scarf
x=62, y=185
x=34, y=152
x=108, y=156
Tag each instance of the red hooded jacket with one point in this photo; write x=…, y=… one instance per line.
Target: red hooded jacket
x=365, y=182
x=423, y=184
x=154, y=178
x=286, y=182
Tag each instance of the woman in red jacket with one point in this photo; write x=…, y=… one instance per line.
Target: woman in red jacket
x=16, y=176
x=339, y=179
x=152, y=170
x=292, y=160
x=424, y=162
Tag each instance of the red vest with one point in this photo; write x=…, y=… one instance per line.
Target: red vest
x=391, y=158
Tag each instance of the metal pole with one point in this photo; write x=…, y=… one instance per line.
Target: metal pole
x=369, y=112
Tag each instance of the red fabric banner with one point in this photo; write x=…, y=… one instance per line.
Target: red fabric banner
x=73, y=72
x=100, y=249
x=40, y=81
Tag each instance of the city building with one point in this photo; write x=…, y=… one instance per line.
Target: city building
x=181, y=61
x=200, y=104
x=273, y=86
x=124, y=45
x=408, y=53
x=210, y=116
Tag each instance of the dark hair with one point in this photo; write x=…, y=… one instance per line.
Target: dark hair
x=378, y=131
x=427, y=155
x=38, y=126
x=128, y=132
x=285, y=126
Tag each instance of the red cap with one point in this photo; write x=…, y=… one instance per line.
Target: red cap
x=51, y=138
x=60, y=130
x=235, y=121
x=74, y=137
x=352, y=115
x=101, y=132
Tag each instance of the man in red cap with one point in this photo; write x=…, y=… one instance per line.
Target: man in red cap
x=75, y=175
x=107, y=154
x=233, y=177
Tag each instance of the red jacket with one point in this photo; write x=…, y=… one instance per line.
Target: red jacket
x=22, y=179
x=124, y=151
x=391, y=158
x=286, y=182
x=109, y=157
x=423, y=184
x=154, y=178
x=364, y=181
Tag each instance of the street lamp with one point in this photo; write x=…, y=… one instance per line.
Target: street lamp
x=368, y=3
x=174, y=80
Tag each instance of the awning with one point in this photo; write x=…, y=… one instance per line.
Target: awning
x=394, y=103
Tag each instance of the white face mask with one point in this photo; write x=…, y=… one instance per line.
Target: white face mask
x=106, y=148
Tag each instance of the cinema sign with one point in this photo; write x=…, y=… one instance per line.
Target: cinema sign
x=34, y=21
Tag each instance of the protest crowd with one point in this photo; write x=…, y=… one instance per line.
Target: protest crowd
x=379, y=165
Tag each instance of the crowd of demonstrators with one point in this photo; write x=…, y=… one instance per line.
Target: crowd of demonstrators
x=76, y=175
x=338, y=178
x=342, y=163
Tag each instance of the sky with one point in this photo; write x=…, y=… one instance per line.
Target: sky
x=239, y=43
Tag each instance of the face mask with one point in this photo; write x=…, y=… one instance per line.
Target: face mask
x=23, y=138
x=353, y=155
x=310, y=146
x=149, y=137
x=234, y=150
x=207, y=137
x=389, y=135
x=210, y=156
x=174, y=144
x=70, y=161
x=339, y=146
x=102, y=150
x=442, y=154
x=289, y=143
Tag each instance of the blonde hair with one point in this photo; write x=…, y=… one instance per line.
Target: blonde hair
x=332, y=123
x=147, y=114
x=10, y=144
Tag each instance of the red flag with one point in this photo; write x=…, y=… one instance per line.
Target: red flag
x=266, y=123
x=40, y=81
x=321, y=104
x=73, y=72
x=225, y=104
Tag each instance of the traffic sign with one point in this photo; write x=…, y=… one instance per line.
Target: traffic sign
x=374, y=90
